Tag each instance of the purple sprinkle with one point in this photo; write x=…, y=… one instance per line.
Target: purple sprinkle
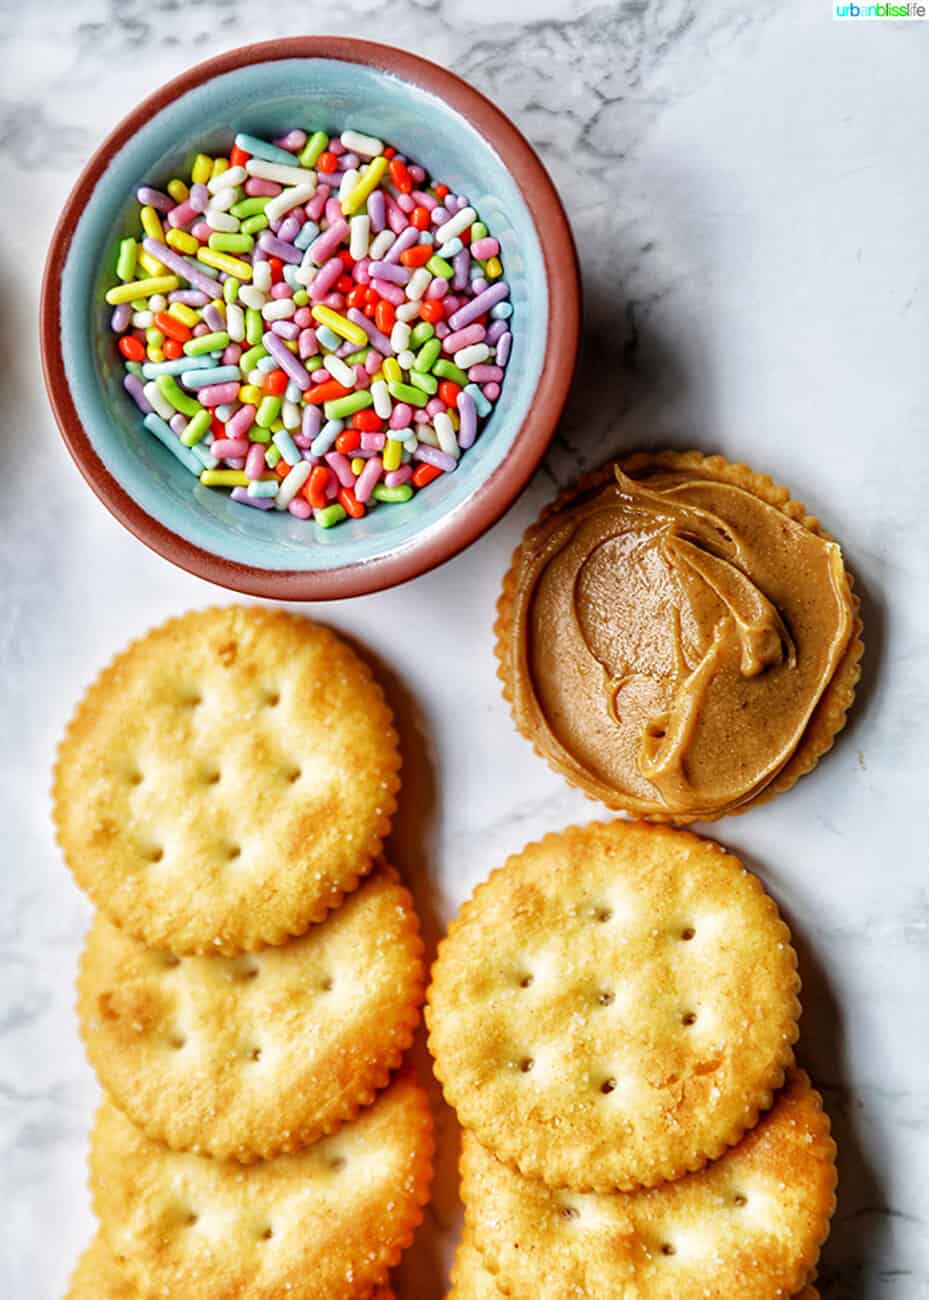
x=178, y=423
x=377, y=339
x=213, y=318
x=477, y=306
x=277, y=248
x=377, y=211
x=136, y=390
x=240, y=494
x=190, y=297
x=285, y=329
x=199, y=197
x=504, y=343
x=461, y=261
x=290, y=365
x=494, y=332
x=154, y=199
x=389, y=271
x=290, y=229
x=121, y=318
x=432, y=456
x=467, y=411
x=180, y=266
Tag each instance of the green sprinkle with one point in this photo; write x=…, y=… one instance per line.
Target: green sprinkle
x=405, y=393
x=139, y=304
x=427, y=356
x=421, y=334
x=301, y=298
x=357, y=358
x=181, y=401
x=253, y=224
x=231, y=289
x=154, y=337
x=128, y=254
x=310, y=152
x=254, y=326
x=249, y=207
x=448, y=370
x=231, y=243
x=478, y=231
x=249, y=360
x=392, y=494
x=440, y=268
x=342, y=406
x=428, y=383
x=272, y=455
x=333, y=514
x=198, y=428
x=260, y=435
x=268, y=411
x=207, y=343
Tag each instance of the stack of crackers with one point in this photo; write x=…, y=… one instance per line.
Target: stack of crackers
x=613, y=1016
x=254, y=974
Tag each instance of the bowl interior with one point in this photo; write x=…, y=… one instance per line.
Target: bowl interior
x=267, y=98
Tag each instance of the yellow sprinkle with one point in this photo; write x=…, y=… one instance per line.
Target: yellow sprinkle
x=220, y=306
x=178, y=190
x=277, y=426
x=291, y=345
x=358, y=464
x=493, y=268
x=150, y=264
x=225, y=262
x=220, y=165
x=379, y=376
x=183, y=241
x=455, y=419
x=251, y=394
x=202, y=169
x=368, y=181
x=345, y=329
x=141, y=289
x=392, y=372
x=224, y=478
x=393, y=454
x=155, y=354
x=186, y=315
x=150, y=224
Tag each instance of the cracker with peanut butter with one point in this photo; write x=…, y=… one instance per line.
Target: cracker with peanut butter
x=678, y=637
x=251, y=1056
x=614, y=1006
x=750, y=1225
x=99, y=1276
x=226, y=780
x=322, y=1224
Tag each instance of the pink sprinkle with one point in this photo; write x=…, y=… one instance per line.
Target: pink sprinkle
x=424, y=200
x=401, y=416
x=235, y=462
x=182, y=215
x=200, y=230
x=420, y=417
x=373, y=362
x=368, y=478
x=373, y=441
x=406, y=203
x=491, y=392
x=226, y=447
x=392, y=292
x=334, y=300
x=484, y=248
x=417, y=173
x=362, y=378
x=325, y=278
x=398, y=476
x=333, y=211
x=314, y=208
x=254, y=461
x=300, y=508
x=435, y=406
x=303, y=318
x=293, y=141
x=231, y=355
x=320, y=376
x=438, y=288
x=360, y=272
x=200, y=329
x=218, y=394
x=441, y=330
x=256, y=188
x=336, y=147
x=340, y=466
x=306, y=344
x=485, y=374
x=240, y=423
x=463, y=338
x=332, y=488
x=281, y=290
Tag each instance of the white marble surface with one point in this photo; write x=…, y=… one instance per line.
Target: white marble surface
x=748, y=185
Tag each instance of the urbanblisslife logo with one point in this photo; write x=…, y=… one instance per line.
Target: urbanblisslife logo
x=893, y=11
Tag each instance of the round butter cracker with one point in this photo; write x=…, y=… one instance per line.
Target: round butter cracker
x=322, y=1224
x=255, y=1055
x=226, y=780
x=750, y=1225
x=614, y=1006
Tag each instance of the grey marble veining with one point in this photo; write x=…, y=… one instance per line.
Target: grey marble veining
x=748, y=187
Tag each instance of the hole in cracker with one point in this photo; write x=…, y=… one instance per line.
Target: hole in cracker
x=154, y=854
x=190, y=1219
x=605, y=998
x=212, y=776
x=569, y=1212
x=170, y=960
x=688, y=933
x=668, y=1249
x=689, y=1018
x=267, y=1234
x=326, y=984
x=526, y=1064
x=234, y=851
x=293, y=775
x=177, y=1041
x=602, y=914
x=193, y=700
x=527, y=981
x=337, y=1163
x=740, y=1200
x=135, y=778
x=608, y=1086
x=272, y=699
x=255, y=1054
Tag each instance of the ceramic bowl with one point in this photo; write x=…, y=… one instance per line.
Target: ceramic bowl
x=326, y=83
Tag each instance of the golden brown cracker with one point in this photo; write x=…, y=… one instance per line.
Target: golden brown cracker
x=830, y=713
x=226, y=780
x=614, y=1006
x=322, y=1224
x=98, y=1276
x=471, y=1278
x=750, y=1225
x=259, y=1054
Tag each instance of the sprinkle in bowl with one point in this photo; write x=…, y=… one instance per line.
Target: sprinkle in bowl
x=266, y=90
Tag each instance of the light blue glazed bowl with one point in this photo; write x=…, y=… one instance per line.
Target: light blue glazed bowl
x=314, y=83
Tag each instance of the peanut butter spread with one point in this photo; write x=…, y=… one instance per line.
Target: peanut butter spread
x=671, y=637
